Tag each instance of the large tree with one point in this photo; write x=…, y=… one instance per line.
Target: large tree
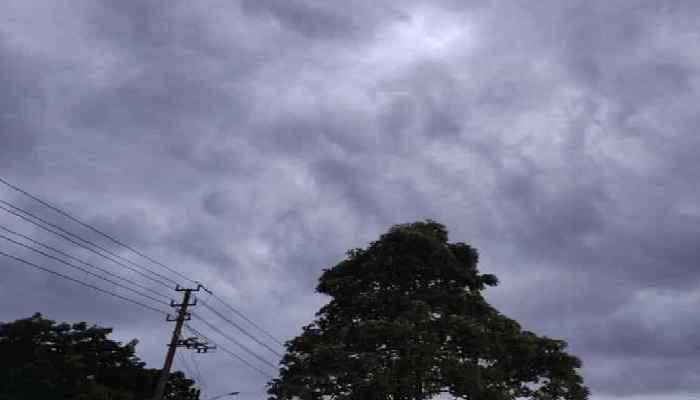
x=41, y=359
x=407, y=320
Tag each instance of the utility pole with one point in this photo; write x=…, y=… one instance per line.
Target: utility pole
x=176, y=340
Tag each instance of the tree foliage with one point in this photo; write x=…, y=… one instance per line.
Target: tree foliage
x=40, y=359
x=407, y=320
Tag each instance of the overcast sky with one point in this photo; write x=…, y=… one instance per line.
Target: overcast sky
x=250, y=143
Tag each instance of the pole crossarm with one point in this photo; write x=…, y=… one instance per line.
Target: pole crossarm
x=183, y=315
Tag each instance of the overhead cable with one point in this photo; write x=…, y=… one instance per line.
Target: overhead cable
x=240, y=314
x=86, y=284
x=229, y=352
x=92, y=228
x=64, y=254
x=233, y=340
x=87, y=271
x=242, y=330
x=90, y=249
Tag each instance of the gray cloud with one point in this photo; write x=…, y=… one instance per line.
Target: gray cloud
x=306, y=18
x=250, y=144
x=21, y=105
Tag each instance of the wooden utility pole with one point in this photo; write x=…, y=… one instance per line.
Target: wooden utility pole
x=175, y=341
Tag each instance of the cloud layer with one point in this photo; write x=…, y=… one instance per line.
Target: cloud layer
x=251, y=143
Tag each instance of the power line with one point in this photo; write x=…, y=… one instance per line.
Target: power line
x=203, y=300
x=25, y=237
x=25, y=212
x=229, y=352
x=186, y=367
x=98, y=276
x=232, y=354
x=234, y=340
x=240, y=314
x=68, y=238
x=197, y=333
x=118, y=242
x=97, y=288
x=92, y=228
x=200, y=377
x=242, y=330
x=176, y=339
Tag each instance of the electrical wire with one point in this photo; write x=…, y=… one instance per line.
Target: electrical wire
x=86, y=284
x=136, y=302
x=234, y=340
x=242, y=330
x=25, y=237
x=186, y=367
x=126, y=246
x=67, y=238
x=92, y=228
x=111, y=259
x=133, y=250
x=240, y=314
x=229, y=352
x=25, y=212
x=98, y=276
x=234, y=355
x=197, y=333
x=200, y=377
x=203, y=301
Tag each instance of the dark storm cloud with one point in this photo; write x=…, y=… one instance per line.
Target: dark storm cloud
x=307, y=18
x=682, y=383
x=622, y=227
x=352, y=183
x=250, y=144
x=20, y=105
x=174, y=77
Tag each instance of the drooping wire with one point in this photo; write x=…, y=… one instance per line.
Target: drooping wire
x=68, y=238
x=86, y=284
x=204, y=301
x=234, y=355
x=116, y=241
x=186, y=367
x=242, y=330
x=200, y=377
x=92, y=228
x=241, y=315
x=57, y=227
x=105, y=271
x=196, y=332
x=233, y=340
x=227, y=351
x=79, y=268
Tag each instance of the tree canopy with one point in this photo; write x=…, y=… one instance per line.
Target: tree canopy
x=407, y=320
x=42, y=359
